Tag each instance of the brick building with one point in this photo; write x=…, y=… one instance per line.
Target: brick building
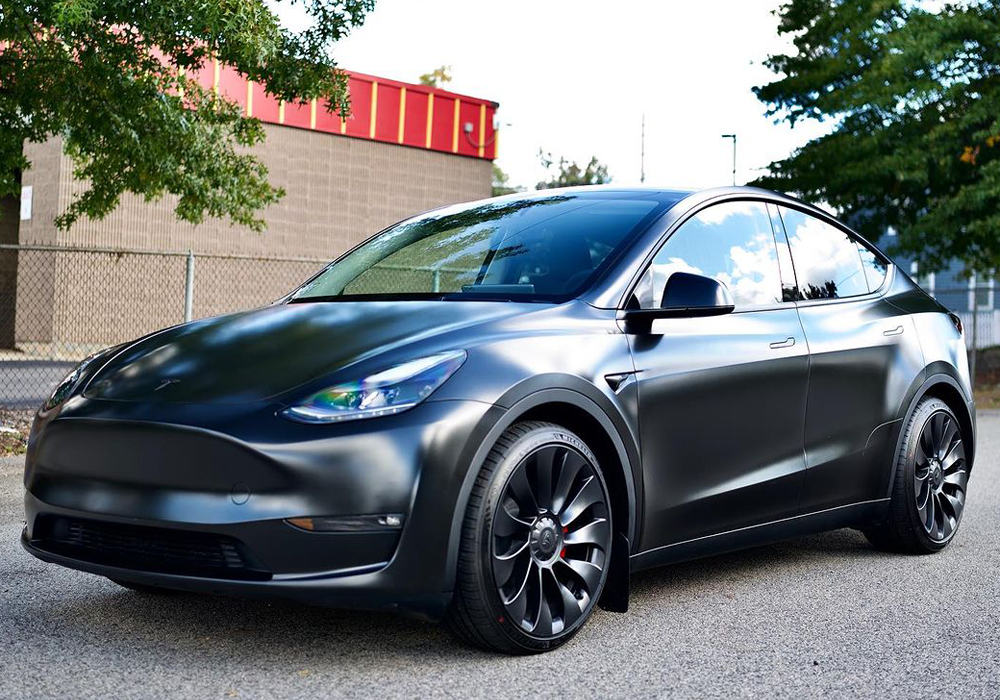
x=406, y=148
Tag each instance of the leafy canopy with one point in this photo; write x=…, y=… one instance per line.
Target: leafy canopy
x=437, y=77
x=566, y=173
x=113, y=79
x=501, y=182
x=914, y=97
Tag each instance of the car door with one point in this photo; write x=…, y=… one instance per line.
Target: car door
x=863, y=356
x=720, y=399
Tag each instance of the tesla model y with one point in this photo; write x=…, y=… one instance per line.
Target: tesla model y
x=491, y=413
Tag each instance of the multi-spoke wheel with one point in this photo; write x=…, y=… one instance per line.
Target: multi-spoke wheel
x=940, y=476
x=536, y=542
x=929, y=490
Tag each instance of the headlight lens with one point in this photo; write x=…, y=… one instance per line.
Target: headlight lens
x=64, y=389
x=391, y=391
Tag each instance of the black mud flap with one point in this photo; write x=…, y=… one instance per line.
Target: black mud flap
x=614, y=598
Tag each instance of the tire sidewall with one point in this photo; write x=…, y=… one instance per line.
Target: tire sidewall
x=923, y=413
x=524, y=446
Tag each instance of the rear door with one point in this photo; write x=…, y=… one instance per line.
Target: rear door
x=721, y=399
x=863, y=355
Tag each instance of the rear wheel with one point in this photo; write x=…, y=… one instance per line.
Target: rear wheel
x=929, y=489
x=536, y=542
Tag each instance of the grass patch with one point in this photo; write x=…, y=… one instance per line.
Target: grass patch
x=14, y=428
x=988, y=397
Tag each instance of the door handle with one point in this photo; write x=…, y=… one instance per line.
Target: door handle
x=786, y=343
x=898, y=330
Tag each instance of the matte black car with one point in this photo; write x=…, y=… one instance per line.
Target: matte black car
x=492, y=413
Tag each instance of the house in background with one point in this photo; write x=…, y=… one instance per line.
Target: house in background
x=972, y=297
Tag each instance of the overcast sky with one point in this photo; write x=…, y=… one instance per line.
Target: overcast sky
x=574, y=77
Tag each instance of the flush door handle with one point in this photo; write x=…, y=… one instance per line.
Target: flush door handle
x=786, y=343
x=898, y=330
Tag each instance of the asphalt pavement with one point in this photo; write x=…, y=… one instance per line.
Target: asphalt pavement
x=820, y=616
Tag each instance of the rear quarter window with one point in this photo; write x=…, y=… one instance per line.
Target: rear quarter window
x=827, y=261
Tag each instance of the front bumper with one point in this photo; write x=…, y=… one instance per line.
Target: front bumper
x=135, y=494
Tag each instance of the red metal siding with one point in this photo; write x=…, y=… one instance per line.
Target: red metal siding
x=392, y=116
x=387, y=114
x=264, y=106
x=415, y=128
x=359, y=123
x=298, y=115
x=232, y=85
x=442, y=128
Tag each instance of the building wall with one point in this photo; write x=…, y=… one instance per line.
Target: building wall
x=339, y=191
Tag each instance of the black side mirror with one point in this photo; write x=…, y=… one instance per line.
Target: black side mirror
x=685, y=295
x=685, y=290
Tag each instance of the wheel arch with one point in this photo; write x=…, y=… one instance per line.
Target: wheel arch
x=578, y=412
x=943, y=386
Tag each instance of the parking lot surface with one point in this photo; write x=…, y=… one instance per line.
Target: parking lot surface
x=820, y=616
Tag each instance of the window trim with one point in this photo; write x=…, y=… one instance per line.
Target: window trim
x=677, y=225
x=827, y=219
x=763, y=196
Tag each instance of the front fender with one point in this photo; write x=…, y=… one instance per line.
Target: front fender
x=517, y=402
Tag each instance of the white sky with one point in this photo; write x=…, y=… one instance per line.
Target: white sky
x=574, y=77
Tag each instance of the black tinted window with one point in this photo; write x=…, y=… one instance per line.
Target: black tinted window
x=731, y=242
x=874, y=267
x=827, y=263
x=541, y=247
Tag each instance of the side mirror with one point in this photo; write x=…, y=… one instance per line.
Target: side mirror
x=686, y=295
x=685, y=290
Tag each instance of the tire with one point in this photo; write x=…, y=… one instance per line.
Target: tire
x=929, y=486
x=524, y=586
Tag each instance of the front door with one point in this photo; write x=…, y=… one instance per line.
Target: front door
x=721, y=399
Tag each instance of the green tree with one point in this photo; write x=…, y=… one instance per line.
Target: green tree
x=501, y=182
x=113, y=79
x=566, y=173
x=914, y=99
x=437, y=77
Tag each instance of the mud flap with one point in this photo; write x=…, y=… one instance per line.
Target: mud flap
x=614, y=598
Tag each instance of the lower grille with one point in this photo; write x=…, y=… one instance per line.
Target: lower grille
x=147, y=548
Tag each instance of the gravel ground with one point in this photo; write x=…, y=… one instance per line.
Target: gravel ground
x=821, y=616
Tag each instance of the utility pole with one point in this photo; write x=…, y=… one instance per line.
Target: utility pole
x=642, y=151
x=733, y=137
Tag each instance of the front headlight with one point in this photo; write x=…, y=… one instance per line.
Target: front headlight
x=64, y=389
x=391, y=391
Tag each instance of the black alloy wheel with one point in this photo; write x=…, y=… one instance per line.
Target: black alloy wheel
x=536, y=542
x=551, y=538
x=940, y=476
x=930, y=485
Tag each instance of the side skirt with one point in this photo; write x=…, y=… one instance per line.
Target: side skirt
x=755, y=535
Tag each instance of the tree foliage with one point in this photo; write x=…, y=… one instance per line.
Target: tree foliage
x=113, y=78
x=437, y=77
x=566, y=173
x=914, y=98
x=501, y=182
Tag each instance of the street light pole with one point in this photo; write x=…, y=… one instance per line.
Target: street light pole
x=733, y=137
x=642, y=151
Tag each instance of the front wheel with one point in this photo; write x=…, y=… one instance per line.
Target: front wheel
x=536, y=543
x=929, y=489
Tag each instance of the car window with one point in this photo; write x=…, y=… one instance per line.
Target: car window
x=731, y=242
x=536, y=248
x=875, y=268
x=827, y=262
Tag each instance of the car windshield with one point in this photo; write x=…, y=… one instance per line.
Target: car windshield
x=538, y=248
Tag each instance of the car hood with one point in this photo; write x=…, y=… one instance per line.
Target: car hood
x=260, y=354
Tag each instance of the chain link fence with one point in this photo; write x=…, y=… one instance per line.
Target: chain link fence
x=59, y=304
